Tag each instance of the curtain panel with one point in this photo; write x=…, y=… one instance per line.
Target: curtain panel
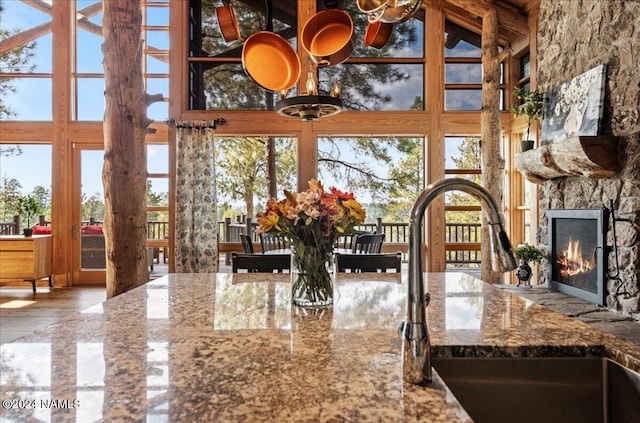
x=196, y=238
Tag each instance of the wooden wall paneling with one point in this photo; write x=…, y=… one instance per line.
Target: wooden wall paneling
x=515, y=213
x=434, y=150
x=307, y=165
x=380, y=123
x=63, y=29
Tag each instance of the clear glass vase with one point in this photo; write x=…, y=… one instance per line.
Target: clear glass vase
x=312, y=273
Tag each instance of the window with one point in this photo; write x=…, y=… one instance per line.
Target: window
x=463, y=69
x=156, y=57
x=158, y=191
x=462, y=211
x=25, y=68
x=241, y=173
x=524, y=72
x=89, y=71
x=384, y=173
x=17, y=179
x=526, y=193
x=390, y=78
x=216, y=76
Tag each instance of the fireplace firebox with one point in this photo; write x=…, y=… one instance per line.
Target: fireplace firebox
x=577, y=257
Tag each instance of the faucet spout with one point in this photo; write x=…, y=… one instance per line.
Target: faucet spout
x=415, y=334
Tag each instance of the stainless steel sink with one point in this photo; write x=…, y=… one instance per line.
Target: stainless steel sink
x=544, y=390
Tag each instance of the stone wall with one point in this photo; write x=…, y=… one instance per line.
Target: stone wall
x=573, y=37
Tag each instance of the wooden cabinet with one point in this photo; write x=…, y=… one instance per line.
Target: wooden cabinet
x=26, y=258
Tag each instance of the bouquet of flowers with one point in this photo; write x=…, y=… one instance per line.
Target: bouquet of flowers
x=312, y=221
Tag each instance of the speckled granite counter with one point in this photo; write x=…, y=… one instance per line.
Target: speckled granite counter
x=229, y=347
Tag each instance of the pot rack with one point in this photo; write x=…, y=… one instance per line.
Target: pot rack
x=313, y=105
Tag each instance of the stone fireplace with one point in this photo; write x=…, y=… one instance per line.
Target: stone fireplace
x=577, y=259
x=607, y=33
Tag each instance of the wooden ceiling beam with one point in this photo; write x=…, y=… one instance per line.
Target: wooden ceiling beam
x=508, y=17
x=23, y=37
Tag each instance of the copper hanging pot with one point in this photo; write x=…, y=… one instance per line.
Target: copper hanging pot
x=328, y=37
x=377, y=34
x=228, y=22
x=269, y=59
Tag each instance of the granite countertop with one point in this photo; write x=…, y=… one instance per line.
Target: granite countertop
x=229, y=347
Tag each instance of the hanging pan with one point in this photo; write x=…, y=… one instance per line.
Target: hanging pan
x=269, y=59
x=377, y=34
x=372, y=6
x=328, y=37
x=396, y=12
x=228, y=22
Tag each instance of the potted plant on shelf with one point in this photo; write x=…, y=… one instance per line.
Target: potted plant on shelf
x=527, y=253
x=531, y=106
x=28, y=207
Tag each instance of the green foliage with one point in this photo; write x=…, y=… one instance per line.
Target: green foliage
x=531, y=105
x=8, y=150
x=242, y=169
x=355, y=162
x=28, y=207
x=527, y=252
x=405, y=180
x=12, y=61
x=93, y=207
x=9, y=193
x=468, y=157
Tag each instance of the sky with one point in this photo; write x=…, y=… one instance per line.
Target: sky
x=32, y=98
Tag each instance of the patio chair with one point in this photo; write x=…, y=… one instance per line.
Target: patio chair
x=271, y=242
x=271, y=263
x=368, y=244
x=369, y=262
x=347, y=241
x=247, y=244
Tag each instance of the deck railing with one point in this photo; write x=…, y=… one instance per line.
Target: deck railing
x=462, y=240
x=10, y=228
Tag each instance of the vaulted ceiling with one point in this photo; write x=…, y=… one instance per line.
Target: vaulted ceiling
x=512, y=14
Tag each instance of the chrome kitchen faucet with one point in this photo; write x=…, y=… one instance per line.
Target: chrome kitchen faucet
x=416, y=360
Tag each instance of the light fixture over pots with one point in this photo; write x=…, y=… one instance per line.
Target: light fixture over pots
x=328, y=38
x=312, y=105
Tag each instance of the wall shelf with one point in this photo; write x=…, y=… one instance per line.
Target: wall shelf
x=589, y=156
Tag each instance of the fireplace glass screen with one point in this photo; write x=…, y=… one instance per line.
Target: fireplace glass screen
x=576, y=262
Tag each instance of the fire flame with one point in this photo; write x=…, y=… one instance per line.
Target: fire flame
x=571, y=261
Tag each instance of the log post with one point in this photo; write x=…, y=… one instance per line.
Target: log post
x=492, y=161
x=124, y=173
